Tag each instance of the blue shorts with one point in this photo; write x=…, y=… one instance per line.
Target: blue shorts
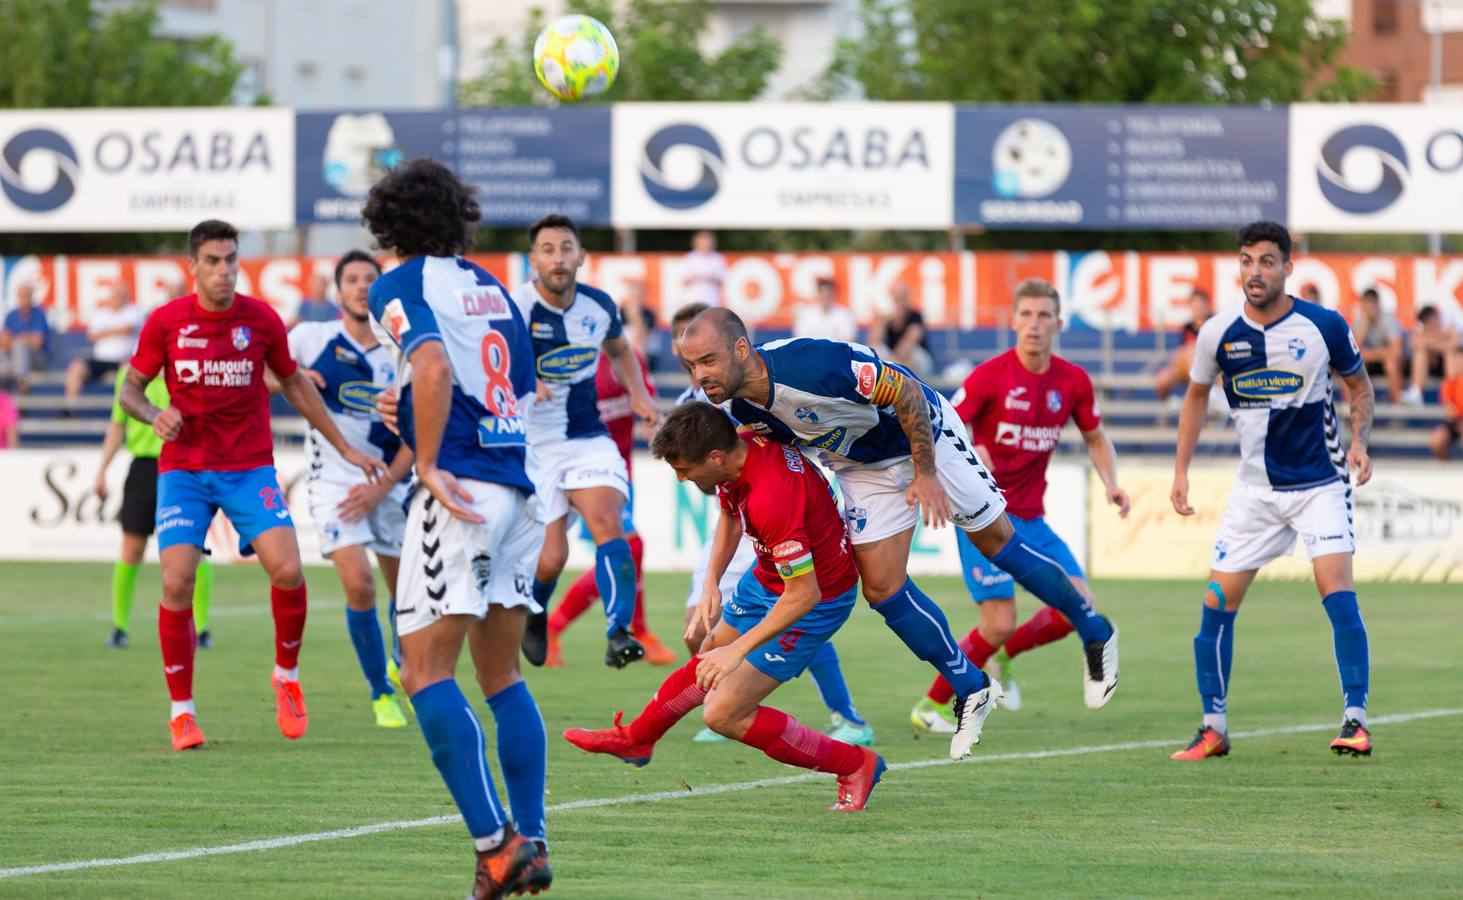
x=187, y=501
x=627, y=518
x=788, y=654
x=986, y=582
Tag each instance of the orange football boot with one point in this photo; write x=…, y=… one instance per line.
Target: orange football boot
x=500, y=870
x=289, y=708
x=1206, y=743
x=185, y=731
x=615, y=741
x=1354, y=739
x=656, y=653
x=555, y=657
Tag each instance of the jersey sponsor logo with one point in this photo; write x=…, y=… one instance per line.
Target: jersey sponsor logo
x=828, y=440
x=241, y=336
x=865, y=377
x=359, y=395
x=804, y=414
x=1351, y=339
x=1035, y=438
x=502, y=431
x=190, y=343
x=1014, y=401
x=347, y=356
x=566, y=362
x=1237, y=350
x=1297, y=347
x=393, y=317
x=1054, y=400
x=1008, y=434
x=219, y=372
x=1263, y=384
x=542, y=331
x=787, y=548
x=793, y=458
x=187, y=370
x=484, y=300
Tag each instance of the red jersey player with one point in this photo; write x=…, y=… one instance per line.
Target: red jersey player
x=212, y=347
x=1017, y=405
x=619, y=418
x=783, y=610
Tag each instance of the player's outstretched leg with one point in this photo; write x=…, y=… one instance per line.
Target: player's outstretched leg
x=1353, y=664
x=932, y=713
x=827, y=674
x=786, y=740
x=1213, y=653
x=634, y=743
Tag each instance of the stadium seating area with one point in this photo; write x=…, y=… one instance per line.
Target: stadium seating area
x=1122, y=365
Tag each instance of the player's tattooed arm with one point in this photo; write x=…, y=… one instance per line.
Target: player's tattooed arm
x=913, y=411
x=1363, y=407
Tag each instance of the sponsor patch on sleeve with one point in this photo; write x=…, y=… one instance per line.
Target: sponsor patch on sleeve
x=865, y=374
x=395, y=320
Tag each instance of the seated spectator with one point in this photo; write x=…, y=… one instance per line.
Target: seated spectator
x=112, y=331
x=639, y=321
x=824, y=318
x=1446, y=435
x=25, y=339
x=9, y=420
x=1175, y=375
x=1431, y=341
x=901, y=336
x=1309, y=291
x=1379, y=335
x=317, y=307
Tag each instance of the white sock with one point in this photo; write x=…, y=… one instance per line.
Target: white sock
x=1354, y=712
x=484, y=844
x=180, y=707
x=287, y=674
x=1216, y=721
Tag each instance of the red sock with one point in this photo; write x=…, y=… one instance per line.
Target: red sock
x=637, y=553
x=978, y=649
x=581, y=594
x=677, y=696
x=781, y=737
x=178, y=639
x=1046, y=626
x=289, y=624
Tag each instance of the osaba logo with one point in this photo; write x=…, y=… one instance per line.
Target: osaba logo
x=669, y=186
x=1362, y=140
x=38, y=198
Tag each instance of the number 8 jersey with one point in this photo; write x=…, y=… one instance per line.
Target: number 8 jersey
x=450, y=300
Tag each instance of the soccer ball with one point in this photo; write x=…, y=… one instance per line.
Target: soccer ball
x=576, y=57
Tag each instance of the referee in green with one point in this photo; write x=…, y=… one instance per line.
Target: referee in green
x=139, y=512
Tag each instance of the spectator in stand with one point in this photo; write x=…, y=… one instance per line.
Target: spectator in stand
x=1311, y=293
x=901, y=336
x=317, y=307
x=638, y=320
x=25, y=339
x=1432, y=340
x=703, y=270
x=824, y=317
x=1379, y=335
x=1175, y=375
x=112, y=330
x=1446, y=435
x=9, y=420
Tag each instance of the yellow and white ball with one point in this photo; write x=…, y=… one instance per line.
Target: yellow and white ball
x=576, y=57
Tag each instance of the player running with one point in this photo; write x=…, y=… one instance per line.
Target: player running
x=350, y=366
x=571, y=459
x=138, y=515
x=1018, y=403
x=1276, y=356
x=218, y=453
x=893, y=444
x=465, y=372
x=800, y=592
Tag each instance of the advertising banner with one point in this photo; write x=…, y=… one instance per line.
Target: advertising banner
x=1408, y=526
x=1376, y=167
x=1118, y=167
x=783, y=165
x=525, y=163
x=146, y=169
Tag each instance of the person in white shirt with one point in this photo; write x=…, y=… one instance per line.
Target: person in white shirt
x=703, y=270
x=824, y=318
x=112, y=330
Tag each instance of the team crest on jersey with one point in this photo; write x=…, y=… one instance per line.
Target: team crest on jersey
x=588, y=324
x=241, y=336
x=482, y=572
x=857, y=518
x=804, y=414
x=1297, y=347
x=1054, y=401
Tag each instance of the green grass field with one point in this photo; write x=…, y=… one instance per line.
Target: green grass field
x=86, y=772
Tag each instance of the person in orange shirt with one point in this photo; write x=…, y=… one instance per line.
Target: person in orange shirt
x=1451, y=397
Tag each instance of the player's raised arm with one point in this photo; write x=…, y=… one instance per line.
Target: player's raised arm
x=627, y=371
x=1363, y=407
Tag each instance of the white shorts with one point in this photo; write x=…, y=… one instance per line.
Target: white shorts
x=451, y=568
x=563, y=466
x=744, y=559
x=1260, y=524
x=874, y=507
x=380, y=531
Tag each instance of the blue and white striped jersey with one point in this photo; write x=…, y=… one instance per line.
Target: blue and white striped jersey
x=453, y=301
x=1277, y=378
x=566, y=348
x=353, y=377
x=836, y=397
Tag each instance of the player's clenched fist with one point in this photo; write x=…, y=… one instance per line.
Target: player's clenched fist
x=168, y=424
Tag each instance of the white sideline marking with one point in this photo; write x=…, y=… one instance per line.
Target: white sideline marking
x=735, y=787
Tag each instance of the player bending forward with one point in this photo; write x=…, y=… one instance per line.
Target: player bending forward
x=212, y=348
x=800, y=592
x=465, y=367
x=1276, y=356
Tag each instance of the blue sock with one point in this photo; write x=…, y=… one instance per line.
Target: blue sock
x=455, y=737
x=365, y=630
x=395, y=637
x=522, y=751
x=543, y=591
x=827, y=677
x=1213, y=652
x=614, y=576
x=1349, y=634
x=921, y=624
x=1049, y=582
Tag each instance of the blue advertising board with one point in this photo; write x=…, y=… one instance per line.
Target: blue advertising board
x=1119, y=167
x=525, y=162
